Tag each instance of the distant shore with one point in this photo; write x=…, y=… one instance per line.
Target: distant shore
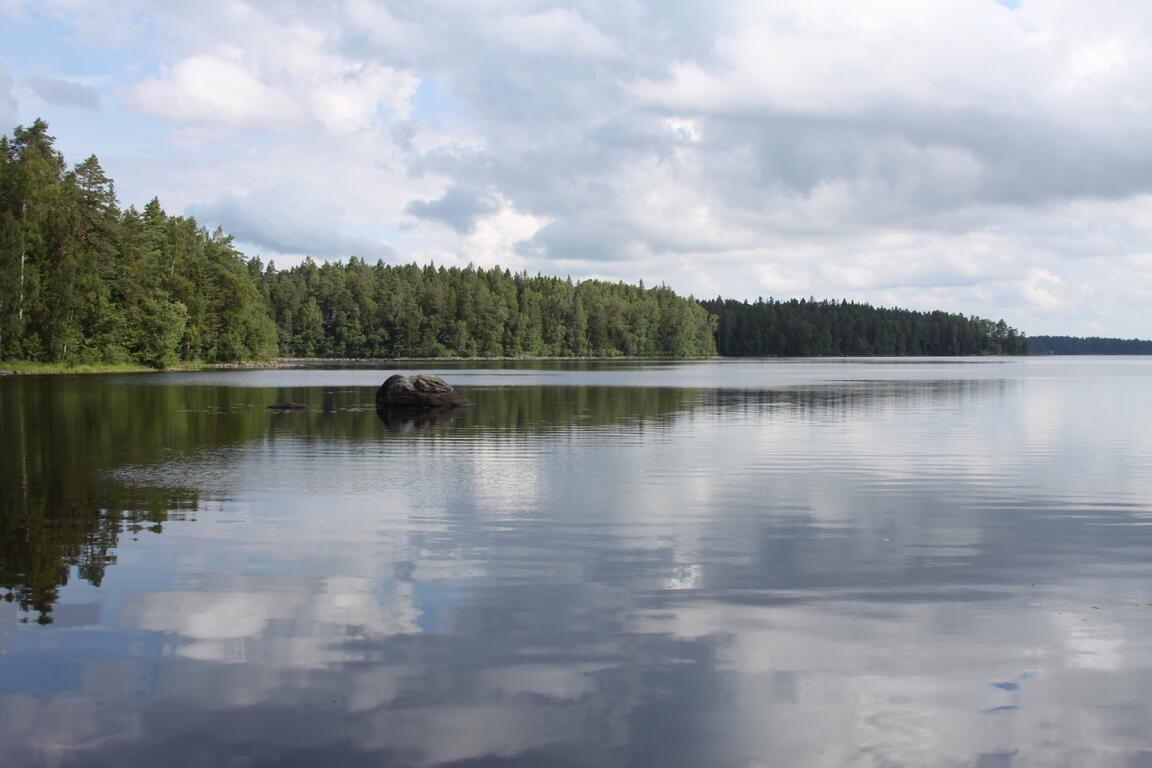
x=289, y=361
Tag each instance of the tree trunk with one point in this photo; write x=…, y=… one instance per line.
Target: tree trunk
x=23, y=255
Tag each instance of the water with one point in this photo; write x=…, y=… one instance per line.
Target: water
x=734, y=563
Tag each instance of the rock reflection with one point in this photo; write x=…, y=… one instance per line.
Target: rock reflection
x=416, y=419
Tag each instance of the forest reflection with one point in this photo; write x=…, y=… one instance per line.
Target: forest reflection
x=64, y=503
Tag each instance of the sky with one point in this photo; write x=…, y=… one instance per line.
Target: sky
x=983, y=157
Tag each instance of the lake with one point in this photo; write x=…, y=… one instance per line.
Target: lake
x=746, y=563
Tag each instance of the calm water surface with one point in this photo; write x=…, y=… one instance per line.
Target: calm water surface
x=734, y=563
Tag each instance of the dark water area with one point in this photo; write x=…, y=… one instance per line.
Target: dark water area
x=941, y=562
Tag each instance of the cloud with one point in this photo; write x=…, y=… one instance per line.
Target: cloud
x=1043, y=289
x=7, y=97
x=214, y=89
x=571, y=240
x=64, y=92
x=299, y=84
x=553, y=32
x=286, y=221
x=459, y=208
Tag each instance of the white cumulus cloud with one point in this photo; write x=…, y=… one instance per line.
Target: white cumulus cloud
x=208, y=88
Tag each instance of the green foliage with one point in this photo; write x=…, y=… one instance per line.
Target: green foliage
x=1092, y=345
x=800, y=328
x=159, y=326
x=84, y=282
x=354, y=310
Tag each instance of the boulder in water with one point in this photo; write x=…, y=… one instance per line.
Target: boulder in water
x=420, y=391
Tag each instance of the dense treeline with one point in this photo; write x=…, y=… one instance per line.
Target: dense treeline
x=86, y=281
x=1092, y=345
x=801, y=327
x=358, y=310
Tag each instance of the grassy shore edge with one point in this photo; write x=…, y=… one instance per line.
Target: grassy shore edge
x=24, y=367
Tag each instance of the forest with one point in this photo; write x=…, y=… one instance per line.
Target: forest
x=1092, y=345
x=360, y=311
x=799, y=328
x=85, y=281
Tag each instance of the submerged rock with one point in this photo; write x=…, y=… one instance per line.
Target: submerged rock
x=420, y=391
x=288, y=407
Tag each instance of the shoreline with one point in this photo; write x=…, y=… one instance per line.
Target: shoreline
x=24, y=368
x=288, y=361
